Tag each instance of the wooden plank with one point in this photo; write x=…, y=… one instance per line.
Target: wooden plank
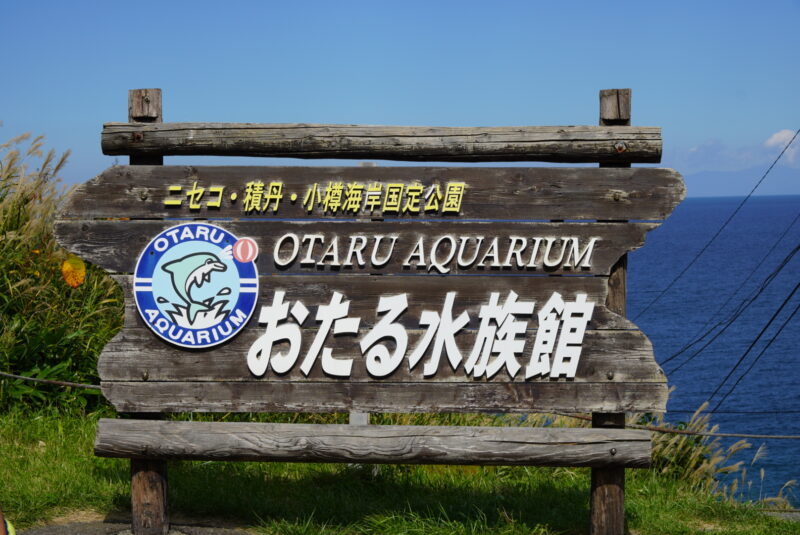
x=497, y=193
x=423, y=293
x=136, y=354
x=358, y=418
x=384, y=397
x=609, y=354
x=226, y=441
x=409, y=143
x=361, y=247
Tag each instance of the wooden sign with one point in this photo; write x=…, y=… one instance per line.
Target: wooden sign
x=374, y=289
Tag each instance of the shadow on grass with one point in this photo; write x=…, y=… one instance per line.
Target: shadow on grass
x=341, y=495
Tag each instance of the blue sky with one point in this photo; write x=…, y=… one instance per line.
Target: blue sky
x=720, y=78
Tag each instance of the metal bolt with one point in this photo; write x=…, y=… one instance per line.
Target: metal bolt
x=143, y=195
x=620, y=146
x=613, y=451
x=610, y=375
x=138, y=136
x=145, y=375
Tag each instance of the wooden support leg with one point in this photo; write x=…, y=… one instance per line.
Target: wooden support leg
x=148, y=477
x=607, y=502
x=149, y=497
x=607, y=505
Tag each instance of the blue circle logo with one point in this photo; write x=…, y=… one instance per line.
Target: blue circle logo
x=196, y=284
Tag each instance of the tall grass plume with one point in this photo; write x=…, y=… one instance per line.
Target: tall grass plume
x=48, y=329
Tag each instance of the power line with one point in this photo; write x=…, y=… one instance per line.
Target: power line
x=737, y=312
x=719, y=231
x=698, y=337
x=755, y=360
x=577, y=416
x=755, y=341
x=49, y=381
x=775, y=412
x=674, y=431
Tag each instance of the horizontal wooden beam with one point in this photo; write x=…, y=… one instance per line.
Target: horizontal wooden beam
x=226, y=441
x=497, y=193
x=375, y=396
x=623, y=144
x=116, y=245
x=423, y=292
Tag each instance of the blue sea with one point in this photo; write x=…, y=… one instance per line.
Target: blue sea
x=766, y=399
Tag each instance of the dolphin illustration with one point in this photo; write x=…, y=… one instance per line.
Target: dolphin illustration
x=193, y=270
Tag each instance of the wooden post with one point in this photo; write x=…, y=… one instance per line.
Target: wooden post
x=607, y=502
x=150, y=514
x=144, y=106
x=149, y=497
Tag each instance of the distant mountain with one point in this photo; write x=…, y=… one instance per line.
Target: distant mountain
x=782, y=180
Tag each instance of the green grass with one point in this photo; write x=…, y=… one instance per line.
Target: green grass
x=48, y=470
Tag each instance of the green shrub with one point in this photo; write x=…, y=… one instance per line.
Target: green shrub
x=47, y=328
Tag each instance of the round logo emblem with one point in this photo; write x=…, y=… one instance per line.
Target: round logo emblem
x=196, y=284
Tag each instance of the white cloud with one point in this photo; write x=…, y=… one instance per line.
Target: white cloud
x=716, y=155
x=779, y=140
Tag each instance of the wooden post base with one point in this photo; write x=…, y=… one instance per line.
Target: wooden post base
x=607, y=502
x=149, y=497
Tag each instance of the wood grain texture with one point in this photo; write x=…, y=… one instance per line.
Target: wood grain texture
x=149, y=506
x=116, y=245
x=607, y=498
x=257, y=396
x=372, y=443
x=607, y=501
x=409, y=143
x=135, y=354
x=422, y=292
x=615, y=107
x=496, y=193
x=614, y=350
x=621, y=357
x=144, y=106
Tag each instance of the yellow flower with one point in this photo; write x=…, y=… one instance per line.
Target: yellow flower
x=36, y=251
x=74, y=271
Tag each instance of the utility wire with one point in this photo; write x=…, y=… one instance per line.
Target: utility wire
x=673, y=431
x=755, y=341
x=748, y=300
x=577, y=416
x=698, y=337
x=737, y=312
x=49, y=381
x=719, y=231
x=775, y=412
x=755, y=360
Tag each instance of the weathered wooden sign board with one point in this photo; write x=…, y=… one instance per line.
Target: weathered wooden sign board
x=404, y=276
x=377, y=289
